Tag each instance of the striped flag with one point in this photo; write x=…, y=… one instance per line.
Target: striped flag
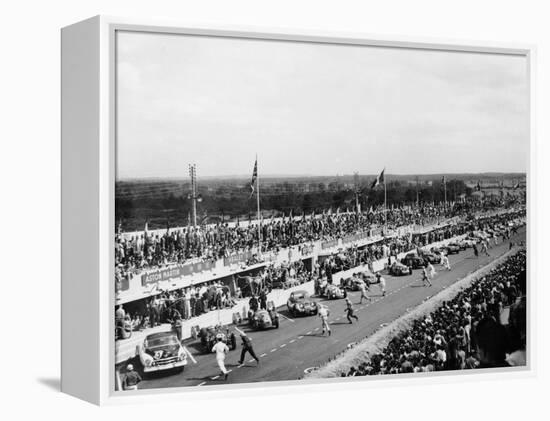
x=254, y=177
x=379, y=180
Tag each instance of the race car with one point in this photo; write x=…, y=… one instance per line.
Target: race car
x=469, y=242
x=334, y=292
x=431, y=257
x=452, y=248
x=413, y=260
x=264, y=319
x=370, y=278
x=399, y=269
x=352, y=284
x=209, y=336
x=299, y=304
x=162, y=351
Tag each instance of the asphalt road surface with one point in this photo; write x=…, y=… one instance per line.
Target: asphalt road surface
x=298, y=344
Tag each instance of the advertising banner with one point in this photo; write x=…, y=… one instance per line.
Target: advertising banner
x=237, y=258
x=177, y=271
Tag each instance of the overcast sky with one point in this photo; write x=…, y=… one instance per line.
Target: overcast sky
x=314, y=109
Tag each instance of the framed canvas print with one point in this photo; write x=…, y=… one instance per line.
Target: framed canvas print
x=248, y=209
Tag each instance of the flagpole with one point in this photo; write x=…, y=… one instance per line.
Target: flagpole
x=445, y=187
x=258, y=204
x=385, y=206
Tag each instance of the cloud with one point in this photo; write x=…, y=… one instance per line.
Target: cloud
x=315, y=108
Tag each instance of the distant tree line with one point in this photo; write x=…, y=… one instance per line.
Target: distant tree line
x=132, y=210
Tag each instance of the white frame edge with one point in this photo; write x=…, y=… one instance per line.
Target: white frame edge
x=100, y=350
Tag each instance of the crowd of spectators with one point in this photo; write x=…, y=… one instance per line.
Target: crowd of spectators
x=145, y=250
x=465, y=332
x=193, y=301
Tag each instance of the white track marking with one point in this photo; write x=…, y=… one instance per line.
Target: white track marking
x=282, y=346
x=300, y=337
x=263, y=355
x=201, y=384
x=274, y=349
x=288, y=318
x=189, y=355
x=316, y=329
x=292, y=341
x=215, y=377
x=251, y=360
x=309, y=333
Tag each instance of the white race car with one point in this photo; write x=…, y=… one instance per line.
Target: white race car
x=162, y=351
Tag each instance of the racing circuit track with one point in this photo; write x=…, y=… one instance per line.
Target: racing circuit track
x=298, y=344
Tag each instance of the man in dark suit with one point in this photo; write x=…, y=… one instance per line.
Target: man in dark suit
x=247, y=347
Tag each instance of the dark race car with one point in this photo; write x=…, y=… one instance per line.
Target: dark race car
x=399, y=269
x=352, y=284
x=264, y=319
x=162, y=351
x=413, y=260
x=452, y=248
x=299, y=304
x=431, y=257
x=209, y=335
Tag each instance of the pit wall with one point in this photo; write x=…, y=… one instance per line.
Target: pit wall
x=127, y=348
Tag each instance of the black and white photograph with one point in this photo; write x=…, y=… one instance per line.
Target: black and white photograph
x=303, y=210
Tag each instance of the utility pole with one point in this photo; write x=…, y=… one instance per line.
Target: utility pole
x=417, y=197
x=193, y=196
x=356, y=191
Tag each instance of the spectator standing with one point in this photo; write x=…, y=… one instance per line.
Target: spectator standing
x=131, y=378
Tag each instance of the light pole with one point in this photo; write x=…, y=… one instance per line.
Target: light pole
x=193, y=196
x=356, y=191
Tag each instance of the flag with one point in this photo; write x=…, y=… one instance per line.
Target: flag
x=378, y=180
x=254, y=177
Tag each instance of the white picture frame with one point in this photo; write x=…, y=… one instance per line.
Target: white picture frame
x=88, y=174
